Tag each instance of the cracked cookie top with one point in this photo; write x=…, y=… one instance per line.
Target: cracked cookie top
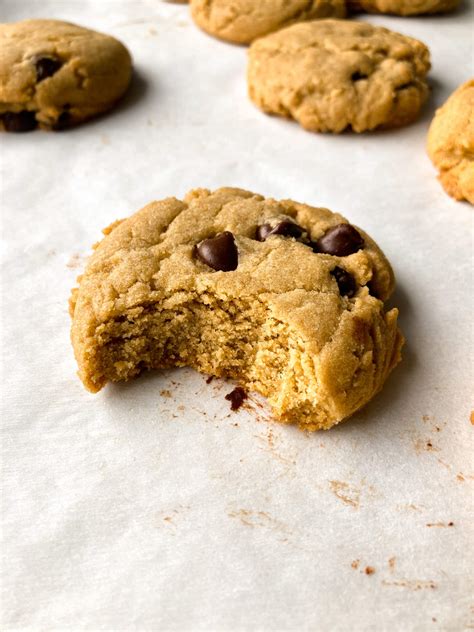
x=242, y=21
x=331, y=75
x=236, y=244
x=55, y=74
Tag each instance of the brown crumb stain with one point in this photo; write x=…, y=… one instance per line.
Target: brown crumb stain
x=270, y=443
x=165, y=393
x=75, y=261
x=170, y=519
x=349, y=494
x=440, y=524
x=425, y=445
x=463, y=477
x=391, y=564
x=410, y=507
x=253, y=519
x=369, y=570
x=411, y=584
x=209, y=379
x=355, y=564
x=181, y=408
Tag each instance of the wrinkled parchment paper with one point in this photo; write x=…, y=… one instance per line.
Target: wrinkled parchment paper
x=151, y=506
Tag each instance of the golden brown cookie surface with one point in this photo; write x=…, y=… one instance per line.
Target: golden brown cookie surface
x=403, y=7
x=242, y=21
x=54, y=74
x=451, y=143
x=285, y=298
x=330, y=75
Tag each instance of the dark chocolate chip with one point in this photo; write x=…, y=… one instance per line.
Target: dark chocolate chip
x=46, y=67
x=219, y=253
x=341, y=240
x=358, y=76
x=23, y=121
x=285, y=228
x=345, y=282
x=236, y=397
x=62, y=122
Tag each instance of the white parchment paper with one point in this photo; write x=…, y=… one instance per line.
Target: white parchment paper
x=151, y=506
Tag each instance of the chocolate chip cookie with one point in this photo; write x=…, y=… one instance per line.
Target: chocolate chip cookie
x=242, y=21
x=284, y=298
x=333, y=75
x=55, y=74
x=451, y=143
x=403, y=7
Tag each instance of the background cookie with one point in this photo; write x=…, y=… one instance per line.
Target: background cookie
x=451, y=143
x=330, y=75
x=54, y=74
x=285, y=298
x=403, y=7
x=242, y=21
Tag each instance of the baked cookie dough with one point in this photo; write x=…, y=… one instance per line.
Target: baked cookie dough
x=242, y=21
x=333, y=75
x=451, y=143
x=56, y=74
x=284, y=298
x=403, y=7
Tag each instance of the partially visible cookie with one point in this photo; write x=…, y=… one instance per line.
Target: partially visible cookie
x=403, y=7
x=55, y=74
x=333, y=75
x=284, y=298
x=242, y=21
x=451, y=143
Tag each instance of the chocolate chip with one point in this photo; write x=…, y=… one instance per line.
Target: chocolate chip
x=345, y=281
x=358, y=76
x=46, y=67
x=236, y=397
x=285, y=228
x=23, y=121
x=219, y=253
x=341, y=240
x=62, y=122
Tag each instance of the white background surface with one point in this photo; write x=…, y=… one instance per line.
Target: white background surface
x=135, y=510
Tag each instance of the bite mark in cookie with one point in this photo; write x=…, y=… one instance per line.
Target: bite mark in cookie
x=186, y=283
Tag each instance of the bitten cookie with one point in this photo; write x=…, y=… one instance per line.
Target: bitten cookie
x=333, y=75
x=242, y=21
x=55, y=74
x=284, y=298
x=451, y=143
x=403, y=7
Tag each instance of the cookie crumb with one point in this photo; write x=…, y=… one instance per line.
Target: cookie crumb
x=236, y=397
x=369, y=570
x=355, y=564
